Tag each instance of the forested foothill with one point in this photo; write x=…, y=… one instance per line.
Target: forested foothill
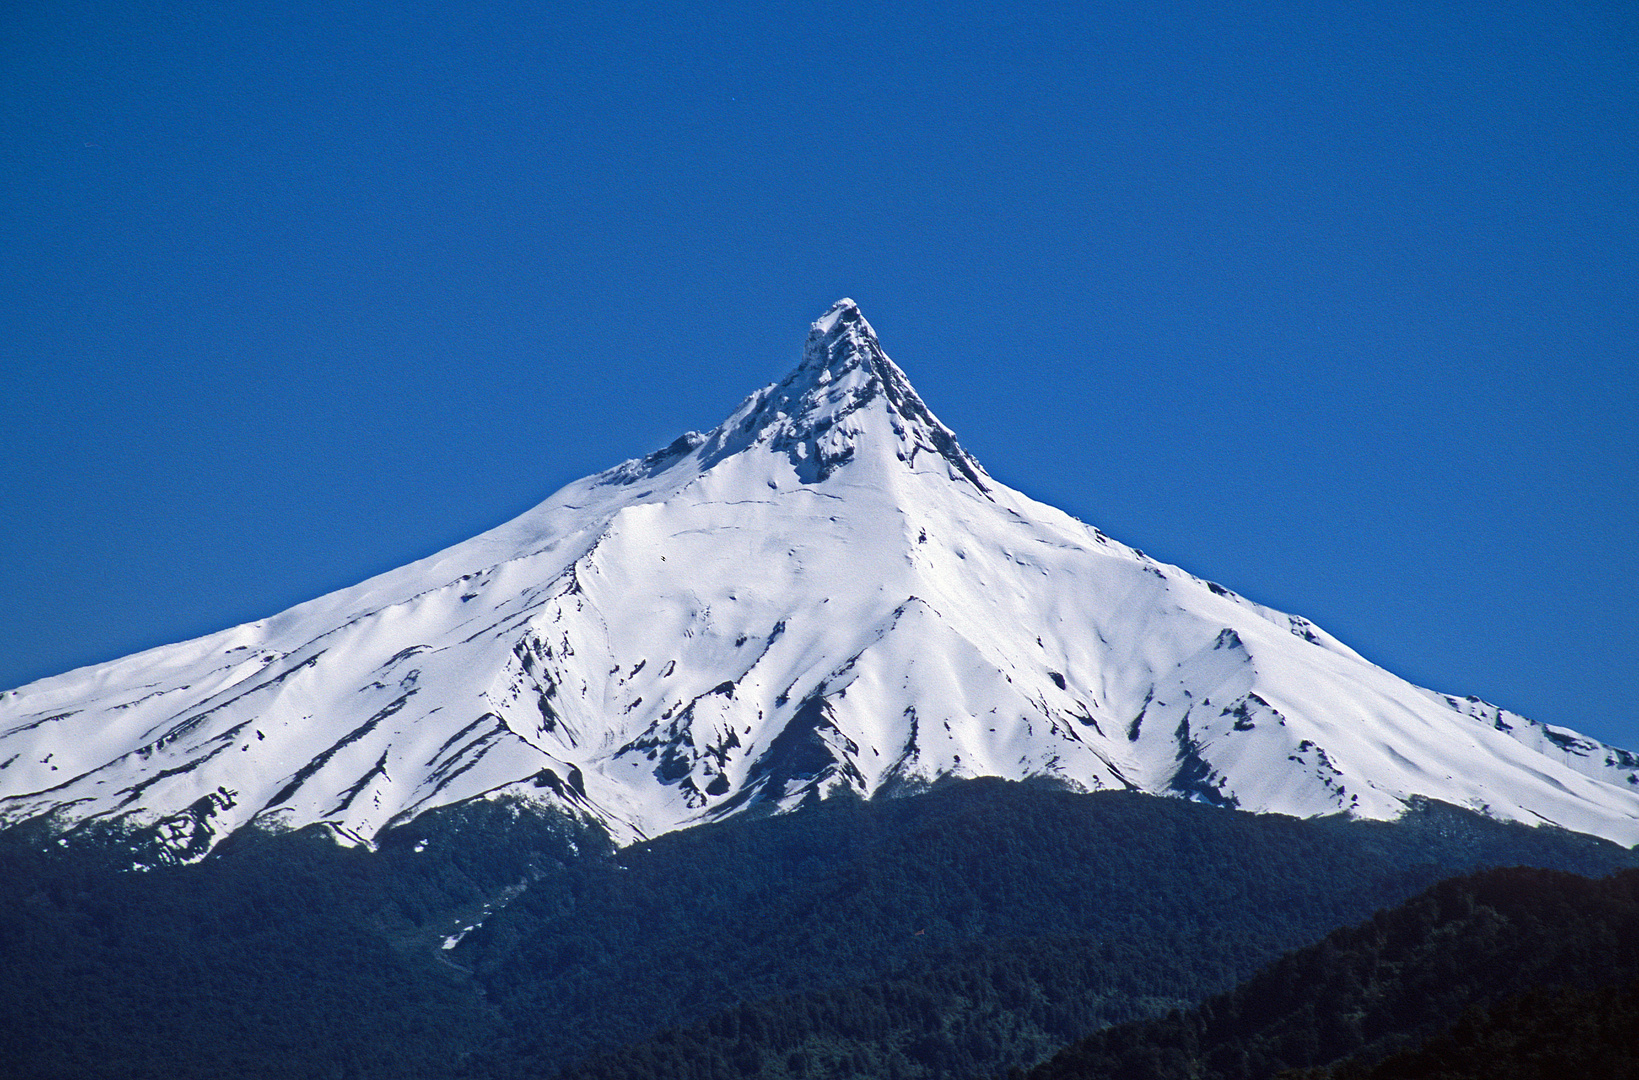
x=1513, y=972
x=972, y=928
x=1544, y=1034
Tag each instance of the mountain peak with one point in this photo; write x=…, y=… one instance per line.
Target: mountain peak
x=839, y=336
x=841, y=312
x=845, y=401
x=846, y=395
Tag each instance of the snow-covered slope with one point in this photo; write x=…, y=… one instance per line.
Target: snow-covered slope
x=826, y=592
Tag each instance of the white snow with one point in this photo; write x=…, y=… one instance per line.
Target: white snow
x=825, y=591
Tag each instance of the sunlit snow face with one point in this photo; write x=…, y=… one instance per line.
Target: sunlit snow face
x=824, y=593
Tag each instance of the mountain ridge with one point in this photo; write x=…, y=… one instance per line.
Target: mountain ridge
x=823, y=593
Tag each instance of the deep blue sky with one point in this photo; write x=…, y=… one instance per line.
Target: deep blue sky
x=1337, y=305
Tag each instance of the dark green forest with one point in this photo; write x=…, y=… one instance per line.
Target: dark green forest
x=1544, y=1034
x=1494, y=974
x=957, y=933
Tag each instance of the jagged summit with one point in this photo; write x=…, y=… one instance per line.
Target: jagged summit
x=824, y=593
x=840, y=339
x=845, y=394
x=844, y=398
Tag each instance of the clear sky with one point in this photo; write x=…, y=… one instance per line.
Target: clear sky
x=1337, y=305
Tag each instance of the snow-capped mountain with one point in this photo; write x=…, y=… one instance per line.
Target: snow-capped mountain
x=824, y=593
